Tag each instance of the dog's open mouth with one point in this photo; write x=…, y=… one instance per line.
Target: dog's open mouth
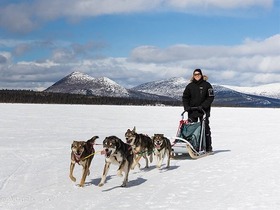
x=128, y=141
x=77, y=155
x=108, y=152
x=157, y=146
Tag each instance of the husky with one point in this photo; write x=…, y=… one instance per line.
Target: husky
x=119, y=153
x=142, y=145
x=82, y=152
x=162, y=148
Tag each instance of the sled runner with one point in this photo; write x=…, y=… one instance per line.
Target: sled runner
x=190, y=138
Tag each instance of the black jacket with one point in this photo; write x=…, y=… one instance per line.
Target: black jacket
x=198, y=93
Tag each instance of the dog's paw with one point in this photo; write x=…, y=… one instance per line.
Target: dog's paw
x=100, y=184
x=134, y=165
x=123, y=185
x=81, y=185
x=119, y=173
x=73, y=178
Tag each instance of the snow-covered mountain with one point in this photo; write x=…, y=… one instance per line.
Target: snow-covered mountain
x=269, y=90
x=166, y=90
x=80, y=83
x=173, y=87
x=224, y=96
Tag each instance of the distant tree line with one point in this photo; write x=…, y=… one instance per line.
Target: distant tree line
x=37, y=97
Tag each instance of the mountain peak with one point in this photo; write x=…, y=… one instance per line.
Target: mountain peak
x=168, y=89
x=81, y=83
x=106, y=80
x=173, y=87
x=76, y=75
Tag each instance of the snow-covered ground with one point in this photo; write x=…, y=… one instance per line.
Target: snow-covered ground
x=35, y=145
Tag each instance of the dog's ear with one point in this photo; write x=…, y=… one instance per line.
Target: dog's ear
x=72, y=144
x=134, y=129
x=104, y=141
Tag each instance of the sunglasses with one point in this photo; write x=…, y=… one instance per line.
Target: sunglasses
x=196, y=74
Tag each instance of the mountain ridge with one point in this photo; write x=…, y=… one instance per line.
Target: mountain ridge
x=166, y=90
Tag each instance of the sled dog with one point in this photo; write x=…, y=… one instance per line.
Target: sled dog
x=82, y=152
x=119, y=153
x=162, y=148
x=142, y=145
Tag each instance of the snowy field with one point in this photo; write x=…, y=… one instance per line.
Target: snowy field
x=35, y=150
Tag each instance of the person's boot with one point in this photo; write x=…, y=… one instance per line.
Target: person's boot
x=209, y=143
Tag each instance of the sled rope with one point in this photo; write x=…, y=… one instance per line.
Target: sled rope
x=92, y=154
x=142, y=153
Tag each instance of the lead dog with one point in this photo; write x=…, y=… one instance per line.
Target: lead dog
x=82, y=153
x=117, y=152
x=162, y=148
x=142, y=145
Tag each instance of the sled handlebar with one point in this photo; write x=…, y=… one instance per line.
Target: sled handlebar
x=194, y=108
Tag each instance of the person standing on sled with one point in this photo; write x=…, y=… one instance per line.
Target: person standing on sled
x=199, y=93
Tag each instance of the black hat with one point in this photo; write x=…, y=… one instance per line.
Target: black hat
x=197, y=70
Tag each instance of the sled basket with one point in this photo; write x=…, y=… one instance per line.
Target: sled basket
x=191, y=134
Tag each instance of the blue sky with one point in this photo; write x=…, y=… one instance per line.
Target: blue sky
x=234, y=42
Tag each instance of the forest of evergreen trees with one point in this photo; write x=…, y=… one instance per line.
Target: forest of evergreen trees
x=29, y=96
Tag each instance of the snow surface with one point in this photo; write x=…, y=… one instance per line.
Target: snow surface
x=35, y=143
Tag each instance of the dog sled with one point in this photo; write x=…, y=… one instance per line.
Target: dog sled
x=190, y=138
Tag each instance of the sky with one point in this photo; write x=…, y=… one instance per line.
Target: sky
x=234, y=42
x=35, y=142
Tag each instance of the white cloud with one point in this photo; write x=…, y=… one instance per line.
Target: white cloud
x=5, y=57
x=266, y=47
x=266, y=78
x=25, y=16
x=17, y=18
x=245, y=64
x=222, y=4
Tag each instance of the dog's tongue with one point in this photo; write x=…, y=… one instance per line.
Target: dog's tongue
x=157, y=146
x=106, y=153
x=77, y=157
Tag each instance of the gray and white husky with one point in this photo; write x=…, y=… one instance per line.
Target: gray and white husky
x=119, y=153
x=142, y=146
x=162, y=148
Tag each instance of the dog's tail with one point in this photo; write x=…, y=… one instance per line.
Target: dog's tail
x=92, y=140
